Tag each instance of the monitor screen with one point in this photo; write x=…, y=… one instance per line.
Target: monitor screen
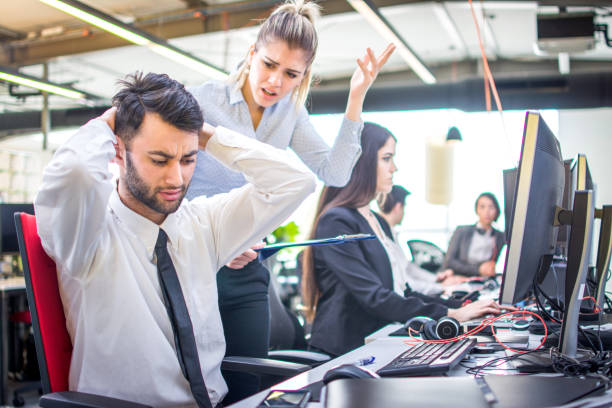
x=538, y=192
x=8, y=239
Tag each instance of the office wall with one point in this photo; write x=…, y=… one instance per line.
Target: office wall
x=589, y=131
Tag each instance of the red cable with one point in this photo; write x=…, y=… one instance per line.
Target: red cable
x=482, y=325
x=488, y=77
x=595, y=308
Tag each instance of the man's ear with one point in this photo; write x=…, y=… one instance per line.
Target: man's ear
x=120, y=152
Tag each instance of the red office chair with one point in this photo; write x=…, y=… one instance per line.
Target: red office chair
x=53, y=344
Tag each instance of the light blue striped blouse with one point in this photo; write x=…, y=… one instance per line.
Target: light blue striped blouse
x=282, y=126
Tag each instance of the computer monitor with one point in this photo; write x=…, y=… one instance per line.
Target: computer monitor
x=581, y=175
x=8, y=237
x=568, y=193
x=604, y=250
x=577, y=177
x=569, y=188
x=535, y=215
x=538, y=192
x=509, y=187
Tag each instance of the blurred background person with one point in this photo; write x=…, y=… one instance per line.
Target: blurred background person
x=406, y=274
x=473, y=249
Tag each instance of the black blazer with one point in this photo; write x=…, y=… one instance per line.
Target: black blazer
x=457, y=254
x=356, y=285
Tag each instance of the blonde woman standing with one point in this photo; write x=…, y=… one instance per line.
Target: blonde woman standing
x=264, y=99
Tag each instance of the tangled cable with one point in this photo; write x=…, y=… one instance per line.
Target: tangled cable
x=480, y=327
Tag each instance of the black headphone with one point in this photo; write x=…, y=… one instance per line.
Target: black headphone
x=431, y=329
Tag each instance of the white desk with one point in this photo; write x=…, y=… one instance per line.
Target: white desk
x=384, y=348
x=379, y=345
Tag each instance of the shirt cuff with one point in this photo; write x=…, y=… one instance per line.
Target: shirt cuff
x=351, y=130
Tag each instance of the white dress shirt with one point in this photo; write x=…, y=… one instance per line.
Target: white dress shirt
x=123, y=345
x=406, y=272
x=482, y=246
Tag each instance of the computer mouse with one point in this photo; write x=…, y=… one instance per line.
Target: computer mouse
x=347, y=371
x=520, y=324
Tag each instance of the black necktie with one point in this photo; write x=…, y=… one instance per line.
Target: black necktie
x=184, y=339
x=481, y=231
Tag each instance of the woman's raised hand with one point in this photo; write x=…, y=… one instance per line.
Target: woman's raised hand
x=368, y=69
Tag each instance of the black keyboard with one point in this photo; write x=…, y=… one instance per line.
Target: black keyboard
x=428, y=359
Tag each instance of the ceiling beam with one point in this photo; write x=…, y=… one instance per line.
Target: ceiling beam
x=237, y=15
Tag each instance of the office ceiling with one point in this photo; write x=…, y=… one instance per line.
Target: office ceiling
x=443, y=34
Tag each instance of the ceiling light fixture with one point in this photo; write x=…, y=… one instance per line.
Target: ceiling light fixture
x=11, y=75
x=136, y=36
x=373, y=16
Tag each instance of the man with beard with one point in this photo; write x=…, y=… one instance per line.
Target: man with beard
x=136, y=263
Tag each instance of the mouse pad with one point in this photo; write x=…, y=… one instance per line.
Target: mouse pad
x=509, y=391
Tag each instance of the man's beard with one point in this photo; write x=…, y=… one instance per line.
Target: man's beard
x=142, y=192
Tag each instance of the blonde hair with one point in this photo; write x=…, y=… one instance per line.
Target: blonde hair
x=292, y=22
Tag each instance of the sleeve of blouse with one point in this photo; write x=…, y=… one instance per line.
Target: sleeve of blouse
x=332, y=165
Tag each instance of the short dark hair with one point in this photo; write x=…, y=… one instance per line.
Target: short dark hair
x=387, y=202
x=491, y=197
x=154, y=93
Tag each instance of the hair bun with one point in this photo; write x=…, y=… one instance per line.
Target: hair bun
x=307, y=9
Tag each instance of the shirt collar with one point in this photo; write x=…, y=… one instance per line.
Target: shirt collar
x=235, y=94
x=484, y=232
x=145, y=229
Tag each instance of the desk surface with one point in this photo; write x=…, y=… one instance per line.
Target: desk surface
x=378, y=344
x=384, y=349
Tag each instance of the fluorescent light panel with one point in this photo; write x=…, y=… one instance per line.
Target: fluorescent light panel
x=26, y=80
x=376, y=20
x=135, y=36
x=449, y=25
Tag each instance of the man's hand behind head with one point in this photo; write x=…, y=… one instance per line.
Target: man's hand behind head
x=109, y=117
x=205, y=133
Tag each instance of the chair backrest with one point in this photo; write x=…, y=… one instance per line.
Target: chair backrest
x=426, y=254
x=53, y=345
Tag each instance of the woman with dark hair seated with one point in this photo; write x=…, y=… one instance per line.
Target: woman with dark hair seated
x=474, y=249
x=348, y=289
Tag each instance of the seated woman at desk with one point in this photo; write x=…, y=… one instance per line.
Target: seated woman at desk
x=406, y=274
x=348, y=288
x=474, y=249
